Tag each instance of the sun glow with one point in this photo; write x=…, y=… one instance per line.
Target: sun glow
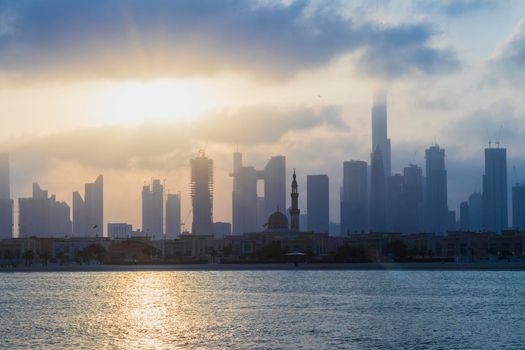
x=152, y=101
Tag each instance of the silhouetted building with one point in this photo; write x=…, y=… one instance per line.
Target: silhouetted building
x=6, y=203
x=354, y=197
x=395, y=201
x=221, y=229
x=294, y=211
x=88, y=213
x=173, y=216
x=464, y=221
x=380, y=131
x=249, y=210
x=120, y=231
x=412, y=205
x=436, y=206
x=245, y=193
x=153, y=210
x=495, y=211
x=377, y=193
x=475, y=212
x=236, y=193
x=518, y=207
x=43, y=216
x=202, y=194
x=451, y=225
x=274, y=185
x=317, y=203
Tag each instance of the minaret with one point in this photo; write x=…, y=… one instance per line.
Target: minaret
x=294, y=211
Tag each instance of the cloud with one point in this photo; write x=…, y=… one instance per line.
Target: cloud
x=456, y=8
x=130, y=39
x=170, y=144
x=508, y=62
x=471, y=133
x=404, y=49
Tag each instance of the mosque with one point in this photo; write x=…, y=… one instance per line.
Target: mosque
x=277, y=229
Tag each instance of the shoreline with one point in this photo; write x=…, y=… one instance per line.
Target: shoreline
x=449, y=266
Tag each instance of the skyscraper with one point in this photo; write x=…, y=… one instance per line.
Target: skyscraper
x=94, y=197
x=173, y=216
x=79, y=215
x=236, y=193
x=43, y=216
x=464, y=221
x=354, y=197
x=380, y=130
x=202, y=194
x=153, y=210
x=294, y=210
x=5, y=178
x=317, y=203
x=413, y=199
x=436, y=207
x=275, y=185
x=88, y=213
x=518, y=207
x=6, y=203
x=495, y=211
x=475, y=212
x=395, y=201
x=247, y=200
x=377, y=193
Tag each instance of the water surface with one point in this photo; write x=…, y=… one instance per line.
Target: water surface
x=263, y=310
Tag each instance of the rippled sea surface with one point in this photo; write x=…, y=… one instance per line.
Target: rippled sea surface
x=263, y=310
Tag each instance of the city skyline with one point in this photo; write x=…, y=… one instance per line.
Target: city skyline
x=148, y=117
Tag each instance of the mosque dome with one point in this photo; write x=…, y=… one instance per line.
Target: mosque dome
x=277, y=221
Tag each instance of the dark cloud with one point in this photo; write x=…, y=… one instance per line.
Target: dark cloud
x=117, y=38
x=401, y=50
x=169, y=145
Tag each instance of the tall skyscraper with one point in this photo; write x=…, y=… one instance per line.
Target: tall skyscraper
x=79, y=215
x=202, y=194
x=236, y=193
x=436, y=201
x=495, y=210
x=395, y=200
x=354, y=197
x=377, y=193
x=317, y=203
x=43, y=216
x=246, y=196
x=413, y=199
x=6, y=203
x=380, y=131
x=88, y=213
x=94, y=196
x=5, y=177
x=475, y=212
x=294, y=210
x=173, y=216
x=153, y=210
x=464, y=221
x=275, y=185
x=518, y=207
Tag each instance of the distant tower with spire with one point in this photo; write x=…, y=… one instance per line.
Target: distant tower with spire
x=294, y=210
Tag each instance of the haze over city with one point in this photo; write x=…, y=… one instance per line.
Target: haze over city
x=133, y=91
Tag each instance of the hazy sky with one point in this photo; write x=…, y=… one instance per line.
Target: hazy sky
x=131, y=89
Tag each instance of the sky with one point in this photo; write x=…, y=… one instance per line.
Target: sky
x=133, y=89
